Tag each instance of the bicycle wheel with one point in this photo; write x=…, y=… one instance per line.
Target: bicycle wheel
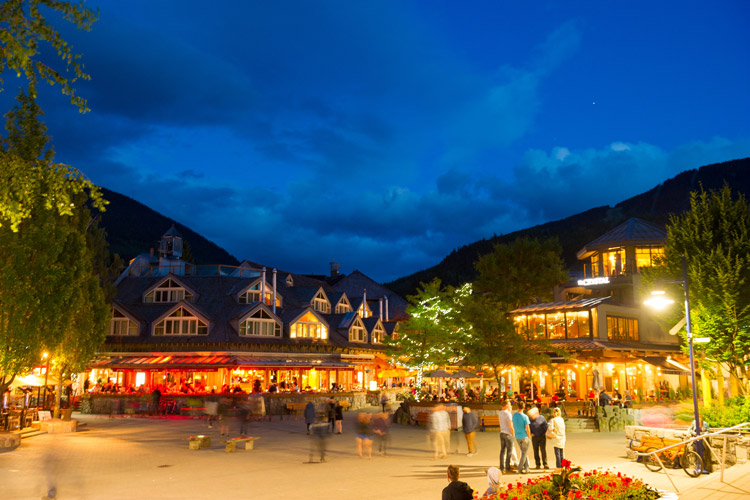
x=692, y=463
x=651, y=462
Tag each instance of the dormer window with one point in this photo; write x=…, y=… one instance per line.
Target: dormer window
x=308, y=326
x=167, y=292
x=260, y=324
x=121, y=325
x=343, y=306
x=357, y=331
x=252, y=295
x=364, y=311
x=181, y=322
x=378, y=334
x=321, y=303
x=289, y=281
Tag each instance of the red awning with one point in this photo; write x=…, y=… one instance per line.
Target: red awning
x=161, y=363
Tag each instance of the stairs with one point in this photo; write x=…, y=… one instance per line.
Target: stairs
x=580, y=424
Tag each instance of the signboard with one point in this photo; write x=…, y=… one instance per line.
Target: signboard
x=45, y=415
x=594, y=281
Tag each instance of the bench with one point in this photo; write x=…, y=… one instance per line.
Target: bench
x=198, y=442
x=296, y=408
x=489, y=420
x=247, y=442
x=422, y=417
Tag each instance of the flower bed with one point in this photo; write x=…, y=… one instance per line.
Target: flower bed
x=571, y=484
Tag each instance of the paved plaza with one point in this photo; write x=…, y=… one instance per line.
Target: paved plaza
x=144, y=458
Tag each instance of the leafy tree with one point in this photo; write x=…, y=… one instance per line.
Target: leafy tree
x=714, y=237
x=513, y=275
x=428, y=337
x=24, y=29
x=55, y=275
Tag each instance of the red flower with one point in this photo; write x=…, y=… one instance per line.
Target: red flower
x=579, y=494
x=566, y=463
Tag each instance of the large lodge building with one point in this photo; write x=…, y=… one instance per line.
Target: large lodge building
x=175, y=323
x=211, y=326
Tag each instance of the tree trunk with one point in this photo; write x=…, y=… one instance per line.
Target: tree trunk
x=58, y=393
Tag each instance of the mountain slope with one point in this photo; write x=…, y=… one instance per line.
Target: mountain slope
x=655, y=205
x=133, y=228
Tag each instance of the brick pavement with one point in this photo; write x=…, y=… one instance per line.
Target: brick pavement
x=126, y=458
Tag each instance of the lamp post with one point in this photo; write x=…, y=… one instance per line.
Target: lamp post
x=658, y=301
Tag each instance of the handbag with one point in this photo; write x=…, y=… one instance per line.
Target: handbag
x=550, y=433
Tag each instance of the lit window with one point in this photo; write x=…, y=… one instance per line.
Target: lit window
x=357, y=332
x=122, y=325
x=252, y=295
x=343, y=306
x=321, y=304
x=260, y=324
x=647, y=256
x=308, y=326
x=556, y=325
x=378, y=334
x=622, y=329
x=181, y=322
x=167, y=292
x=364, y=311
x=578, y=324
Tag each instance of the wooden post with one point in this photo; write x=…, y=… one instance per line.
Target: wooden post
x=720, y=381
x=706, y=383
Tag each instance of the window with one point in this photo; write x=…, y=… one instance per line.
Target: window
x=556, y=325
x=122, y=325
x=167, y=292
x=260, y=324
x=578, y=324
x=181, y=322
x=536, y=326
x=595, y=271
x=614, y=262
x=622, y=329
x=252, y=295
x=646, y=256
x=364, y=311
x=321, y=304
x=357, y=332
x=378, y=334
x=308, y=326
x=343, y=306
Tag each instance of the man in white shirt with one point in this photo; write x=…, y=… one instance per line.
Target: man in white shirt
x=440, y=427
x=506, y=436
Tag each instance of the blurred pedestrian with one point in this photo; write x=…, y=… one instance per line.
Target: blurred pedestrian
x=339, y=417
x=364, y=435
x=383, y=399
x=470, y=422
x=440, y=428
x=319, y=439
x=381, y=424
x=331, y=413
x=309, y=415
x=506, y=436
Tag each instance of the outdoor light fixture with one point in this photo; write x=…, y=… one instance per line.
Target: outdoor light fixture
x=661, y=303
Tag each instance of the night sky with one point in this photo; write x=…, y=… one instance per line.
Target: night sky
x=384, y=134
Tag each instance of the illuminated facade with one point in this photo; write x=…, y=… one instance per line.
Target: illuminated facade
x=210, y=326
x=612, y=341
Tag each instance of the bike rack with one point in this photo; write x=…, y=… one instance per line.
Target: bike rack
x=701, y=437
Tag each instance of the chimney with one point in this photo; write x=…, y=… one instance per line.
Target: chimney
x=263, y=286
x=274, y=290
x=364, y=302
x=334, y=268
x=380, y=303
x=386, y=308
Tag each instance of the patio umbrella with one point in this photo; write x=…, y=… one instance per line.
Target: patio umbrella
x=32, y=381
x=464, y=374
x=438, y=374
x=393, y=372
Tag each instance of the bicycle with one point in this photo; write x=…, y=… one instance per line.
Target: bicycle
x=677, y=457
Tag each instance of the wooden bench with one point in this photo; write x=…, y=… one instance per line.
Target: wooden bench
x=422, y=417
x=296, y=408
x=489, y=420
x=198, y=442
x=248, y=443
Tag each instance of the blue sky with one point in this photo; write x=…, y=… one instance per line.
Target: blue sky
x=385, y=134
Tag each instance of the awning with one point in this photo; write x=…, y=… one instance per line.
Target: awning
x=669, y=367
x=177, y=363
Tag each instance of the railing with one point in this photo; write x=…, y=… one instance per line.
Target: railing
x=186, y=269
x=702, y=437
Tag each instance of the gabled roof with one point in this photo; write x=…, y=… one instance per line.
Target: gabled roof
x=632, y=232
x=185, y=305
x=254, y=308
x=371, y=322
x=356, y=282
x=172, y=231
x=171, y=276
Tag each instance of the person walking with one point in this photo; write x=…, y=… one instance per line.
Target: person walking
x=522, y=435
x=456, y=490
x=506, y=436
x=470, y=422
x=380, y=426
x=318, y=439
x=364, y=435
x=309, y=415
x=339, y=417
x=538, y=427
x=558, y=440
x=383, y=399
x=331, y=413
x=440, y=428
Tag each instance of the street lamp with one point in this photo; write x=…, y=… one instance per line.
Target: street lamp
x=659, y=301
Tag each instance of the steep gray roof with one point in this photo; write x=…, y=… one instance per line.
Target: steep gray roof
x=632, y=232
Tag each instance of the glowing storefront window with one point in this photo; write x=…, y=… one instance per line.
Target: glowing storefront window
x=578, y=324
x=622, y=329
x=646, y=256
x=308, y=326
x=536, y=326
x=556, y=325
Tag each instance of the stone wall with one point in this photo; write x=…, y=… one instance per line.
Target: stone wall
x=635, y=433
x=614, y=418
